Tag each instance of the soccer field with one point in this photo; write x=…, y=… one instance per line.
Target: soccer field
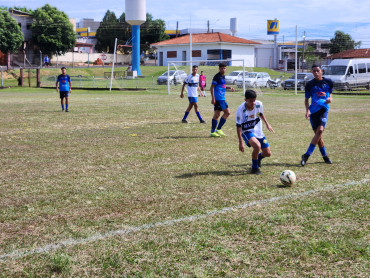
x=119, y=187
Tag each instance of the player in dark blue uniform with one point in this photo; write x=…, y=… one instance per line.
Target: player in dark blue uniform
x=320, y=91
x=218, y=90
x=64, y=86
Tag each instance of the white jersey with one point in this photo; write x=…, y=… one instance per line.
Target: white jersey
x=192, y=83
x=250, y=121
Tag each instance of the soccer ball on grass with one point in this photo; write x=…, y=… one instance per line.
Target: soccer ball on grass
x=287, y=177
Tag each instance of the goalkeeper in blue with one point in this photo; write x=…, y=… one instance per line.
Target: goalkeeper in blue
x=249, y=129
x=320, y=91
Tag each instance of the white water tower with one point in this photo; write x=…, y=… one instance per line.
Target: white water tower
x=233, y=26
x=135, y=15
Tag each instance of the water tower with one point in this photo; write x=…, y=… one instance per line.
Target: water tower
x=135, y=16
x=233, y=26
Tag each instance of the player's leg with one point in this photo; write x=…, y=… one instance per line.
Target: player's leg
x=61, y=94
x=266, y=151
x=190, y=106
x=216, y=115
x=226, y=114
x=67, y=102
x=256, y=145
x=198, y=113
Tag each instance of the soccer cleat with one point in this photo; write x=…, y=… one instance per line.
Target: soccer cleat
x=184, y=121
x=259, y=163
x=202, y=121
x=220, y=132
x=304, y=159
x=214, y=134
x=327, y=160
x=66, y=110
x=256, y=171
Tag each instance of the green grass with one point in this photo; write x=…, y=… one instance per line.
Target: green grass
x=123, y=159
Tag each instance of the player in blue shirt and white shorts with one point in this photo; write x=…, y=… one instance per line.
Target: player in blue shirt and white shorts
x=249, y=128
x=192, y=82
x=320, y=91
x=218, y=91
x=64, y=87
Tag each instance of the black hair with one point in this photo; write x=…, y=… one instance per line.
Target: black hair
x=222, y=65
x=63, y=68
x=195, y=66
x=315, y=66
x=250, y=94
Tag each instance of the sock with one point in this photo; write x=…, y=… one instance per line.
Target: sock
x=323, y=152
x=199, y=116
x=260, y=157
x=221, y=123
x=310, y=150
x=255, y=164
x=186, y=115
x=62, y=106
x=66, y=106
x=204, y=93
x=214, y=124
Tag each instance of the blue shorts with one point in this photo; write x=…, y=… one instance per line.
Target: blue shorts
x=221, y=105
x=193, y=99
x=319, y=118
x=248, y=135
x=63, y=94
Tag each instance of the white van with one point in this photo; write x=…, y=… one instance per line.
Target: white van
x=349, y=73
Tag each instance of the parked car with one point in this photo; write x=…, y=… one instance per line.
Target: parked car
x=253, y=79
x=302, y=79
x=233, y=76
x=175, y=77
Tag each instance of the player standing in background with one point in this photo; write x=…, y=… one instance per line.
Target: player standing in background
x=320, y=91
x=192, y=82
x=202, y=83
x=218, y=90
x=46, y=61
x=64, y=86
x=249, y=129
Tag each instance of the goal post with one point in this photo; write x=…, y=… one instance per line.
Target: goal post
x=178, y=70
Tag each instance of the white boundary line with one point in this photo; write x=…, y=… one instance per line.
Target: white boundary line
x=72, y=242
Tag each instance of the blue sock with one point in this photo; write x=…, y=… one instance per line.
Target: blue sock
x=310, y=149
x=62, y=106
x=214, y=124
x=186, y=115
x=199, y=116
x=255, y=164
x=66, y=106
x=221, y=123
x=260, y=157
x=323, y=152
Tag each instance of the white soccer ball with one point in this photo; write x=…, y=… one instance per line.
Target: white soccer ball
x=287, y=177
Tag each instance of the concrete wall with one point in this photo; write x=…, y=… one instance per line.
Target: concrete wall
x=70, y=57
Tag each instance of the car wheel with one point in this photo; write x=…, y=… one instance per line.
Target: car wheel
x=254, y=85
x=346, y=87
x=234, y=82
x=302, y=87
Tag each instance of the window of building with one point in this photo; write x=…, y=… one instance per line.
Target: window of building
x=171, y=54
x=218, y=54
x=196, y=53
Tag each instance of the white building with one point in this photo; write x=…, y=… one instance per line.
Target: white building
x=207, y=46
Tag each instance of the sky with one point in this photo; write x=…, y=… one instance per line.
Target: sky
x=316, y=19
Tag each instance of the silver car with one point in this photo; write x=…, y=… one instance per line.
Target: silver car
x=175, y=77
x=253, y=79
x=233, y=76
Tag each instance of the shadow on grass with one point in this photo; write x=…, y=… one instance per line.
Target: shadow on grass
x=214, y=173
x=183, y=137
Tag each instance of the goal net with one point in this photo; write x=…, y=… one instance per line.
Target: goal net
x=177, y=71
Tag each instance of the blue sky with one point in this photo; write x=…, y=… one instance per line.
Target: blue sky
x=317, y=18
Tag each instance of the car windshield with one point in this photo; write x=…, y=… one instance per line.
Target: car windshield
x=251, y=74
x=172, y=72
x=336, y=70
x=301, y=76
x=234, y=73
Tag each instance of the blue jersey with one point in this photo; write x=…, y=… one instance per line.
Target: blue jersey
x=219, y=83
x=64, y=82
x=319, y=91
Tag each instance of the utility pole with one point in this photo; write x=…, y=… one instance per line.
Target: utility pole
x=304, y=38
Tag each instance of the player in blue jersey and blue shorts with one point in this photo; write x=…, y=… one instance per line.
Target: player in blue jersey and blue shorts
x=218, y=91
x=249, y=128
x=64, y=87
x=192, y=82
x=320, y=91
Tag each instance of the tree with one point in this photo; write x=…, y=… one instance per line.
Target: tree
x=152, y=31
x=107, y=32
x=341, y=42
x=11, y=36
x=51, y=31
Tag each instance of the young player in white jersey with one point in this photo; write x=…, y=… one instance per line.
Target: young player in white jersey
x=249, y=128
x=192, y=82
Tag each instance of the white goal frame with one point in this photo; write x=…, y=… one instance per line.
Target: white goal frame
x=198, y=62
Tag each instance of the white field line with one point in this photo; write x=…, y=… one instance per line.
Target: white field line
x=72, y=242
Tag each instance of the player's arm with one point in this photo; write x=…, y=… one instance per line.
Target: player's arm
x=268, y=126
x=200, y=92
x=307, y=105
x=56, y=85
x=212, y=89
x=239, y=133
x=182, y=90
x=329, y=99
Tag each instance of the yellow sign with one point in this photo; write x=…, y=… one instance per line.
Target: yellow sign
x=272, y=27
